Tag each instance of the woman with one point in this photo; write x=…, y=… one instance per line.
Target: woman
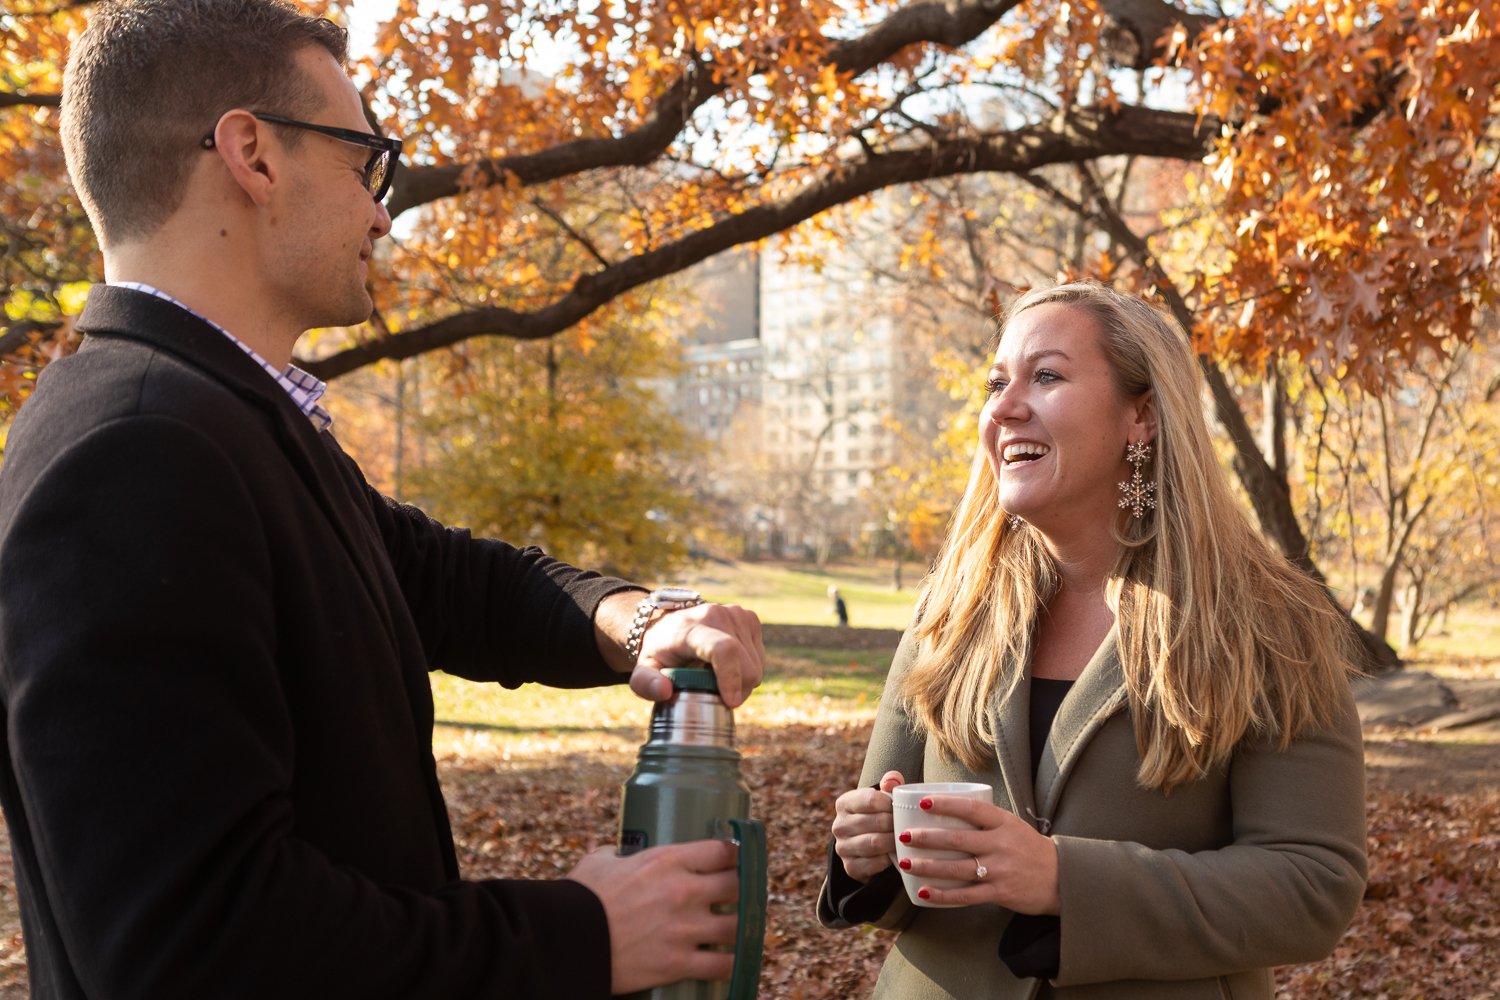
x=1159, y=700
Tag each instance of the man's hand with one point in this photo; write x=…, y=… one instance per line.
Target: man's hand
x=725, y=636
x=659, y=906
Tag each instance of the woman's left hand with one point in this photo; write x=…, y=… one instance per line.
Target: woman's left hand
x=1010, y=864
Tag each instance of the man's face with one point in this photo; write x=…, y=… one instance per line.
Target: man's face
x=325, y=225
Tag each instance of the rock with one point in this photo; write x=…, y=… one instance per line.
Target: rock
x=1404, y=698
x=1458, y=720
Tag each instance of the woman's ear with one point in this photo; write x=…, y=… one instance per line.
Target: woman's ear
x=1144, y=427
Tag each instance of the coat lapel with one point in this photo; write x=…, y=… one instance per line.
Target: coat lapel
x=1010, y=719
x=1097, y=695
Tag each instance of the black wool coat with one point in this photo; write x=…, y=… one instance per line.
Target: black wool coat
x=214, y=646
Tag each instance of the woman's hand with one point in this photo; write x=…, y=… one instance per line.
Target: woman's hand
x=1010, y=863
x=863, y=835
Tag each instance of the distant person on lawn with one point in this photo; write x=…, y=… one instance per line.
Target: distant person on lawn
x=215, y=636
x=837, y=606
x=1159, y=701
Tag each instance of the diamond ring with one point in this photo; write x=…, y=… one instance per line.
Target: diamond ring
x=980, y=871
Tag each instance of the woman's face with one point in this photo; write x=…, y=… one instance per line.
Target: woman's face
x=1056, y=424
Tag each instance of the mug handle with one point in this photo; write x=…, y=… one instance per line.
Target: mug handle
x=750, y=939
x=895, y=861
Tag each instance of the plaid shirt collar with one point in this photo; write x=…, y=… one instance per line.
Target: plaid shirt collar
x=305, y=390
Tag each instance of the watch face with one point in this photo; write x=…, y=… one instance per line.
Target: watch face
x=674, y=595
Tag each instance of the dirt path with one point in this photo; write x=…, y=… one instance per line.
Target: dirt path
x=1402, y=761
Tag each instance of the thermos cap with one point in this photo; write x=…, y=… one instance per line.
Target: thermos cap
x=692, y=679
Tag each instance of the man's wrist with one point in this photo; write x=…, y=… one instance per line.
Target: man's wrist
x=652, y=608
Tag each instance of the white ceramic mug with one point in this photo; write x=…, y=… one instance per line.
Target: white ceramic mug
x=910, y=816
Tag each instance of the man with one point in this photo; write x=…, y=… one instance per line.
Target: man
x=214, y=636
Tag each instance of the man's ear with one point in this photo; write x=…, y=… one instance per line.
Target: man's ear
x=1144, y=428
x=244, y=145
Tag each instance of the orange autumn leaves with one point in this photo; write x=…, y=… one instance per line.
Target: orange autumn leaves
x=1356, y=184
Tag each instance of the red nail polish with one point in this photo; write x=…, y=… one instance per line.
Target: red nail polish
x=905, y=864
x=925, y=803
x=906, y=836
x=922, y=893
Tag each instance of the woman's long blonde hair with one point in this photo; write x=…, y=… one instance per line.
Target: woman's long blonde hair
x=1220, y=636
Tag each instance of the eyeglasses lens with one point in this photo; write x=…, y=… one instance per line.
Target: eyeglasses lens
x=376, y=170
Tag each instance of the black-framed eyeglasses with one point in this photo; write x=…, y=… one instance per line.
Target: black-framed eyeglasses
x=385, y=150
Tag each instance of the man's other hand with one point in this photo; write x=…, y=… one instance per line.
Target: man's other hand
x=659, y=903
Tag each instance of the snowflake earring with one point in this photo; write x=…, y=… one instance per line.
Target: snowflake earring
x=1139, y=494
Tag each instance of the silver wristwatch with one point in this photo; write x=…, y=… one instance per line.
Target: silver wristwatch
x=663, y=599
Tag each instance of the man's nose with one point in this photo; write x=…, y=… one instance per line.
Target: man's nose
x=382, y=224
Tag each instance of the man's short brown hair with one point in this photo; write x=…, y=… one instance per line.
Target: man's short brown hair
x=150, y=78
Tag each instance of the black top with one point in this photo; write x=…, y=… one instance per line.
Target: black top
x=1046, y=698
x=1031, y=946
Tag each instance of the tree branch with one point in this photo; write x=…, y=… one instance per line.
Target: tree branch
x=18, y=334
x=13, y=99
x=943, y=23
x=1082, y=135
x=1137, y=28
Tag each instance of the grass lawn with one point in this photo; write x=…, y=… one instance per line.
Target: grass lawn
x=797, y=594
x=816, y=687
x=802, y=685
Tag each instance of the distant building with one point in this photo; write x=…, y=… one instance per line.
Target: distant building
x=830, y=376
x=722, y=361
x=718, y=381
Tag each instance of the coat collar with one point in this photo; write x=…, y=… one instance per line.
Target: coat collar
x=135, y=315
x=1097, y=695
x=128, y=314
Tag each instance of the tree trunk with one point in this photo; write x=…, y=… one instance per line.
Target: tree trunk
x=1385, y=598
x=1411, y=623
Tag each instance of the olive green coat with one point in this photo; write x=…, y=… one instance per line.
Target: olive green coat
x=1196, y=894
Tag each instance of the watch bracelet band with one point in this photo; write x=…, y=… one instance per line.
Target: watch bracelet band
x=645, y=617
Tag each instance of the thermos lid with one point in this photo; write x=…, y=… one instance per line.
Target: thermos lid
x=692, y=679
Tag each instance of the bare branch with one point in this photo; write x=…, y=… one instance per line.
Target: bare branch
x=1268, y=493
x=563, y=224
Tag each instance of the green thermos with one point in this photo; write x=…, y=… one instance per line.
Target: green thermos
x=687, y=786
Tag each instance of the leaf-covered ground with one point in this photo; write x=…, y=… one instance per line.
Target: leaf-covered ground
x=528, y=807
x=1429, y=929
